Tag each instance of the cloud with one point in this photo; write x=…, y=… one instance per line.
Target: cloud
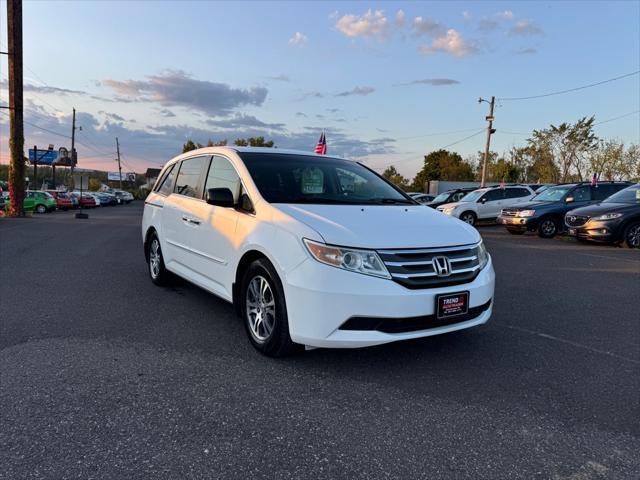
x=525, y=27
x=435, y=82
x=44, y=89
x=400, y=16
x=526, y=51
x=362, y=91
x=176, y=88
x=451, y=43
x=112, y=116
x=300, y=114
x=310, y=95
x=242, y=120
x=427, y=26
x=506, y=14
x=372, y=24
x=298, y=40
x=332, y=110
x=467, y=15
x=281, y=78
x=488, y=24
x=165, y=112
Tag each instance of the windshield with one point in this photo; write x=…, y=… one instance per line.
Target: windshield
x=442, y=197
x=473, y=196
x=628, y=195
x=285, y=178
x=552, y=194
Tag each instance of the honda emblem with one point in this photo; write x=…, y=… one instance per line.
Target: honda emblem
x=442, y=266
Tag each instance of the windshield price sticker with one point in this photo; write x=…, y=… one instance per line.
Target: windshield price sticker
x=312, y=180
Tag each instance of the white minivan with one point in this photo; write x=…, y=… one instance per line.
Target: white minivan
x=312, y=250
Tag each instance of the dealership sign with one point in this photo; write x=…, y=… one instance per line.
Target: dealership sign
x=42, y=157
x=126, y=177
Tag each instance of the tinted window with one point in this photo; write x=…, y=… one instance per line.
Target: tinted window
x=602, y=191
x=165, y=184
x=517, y=192
x=223, y=175
x=283, y=178
x=188, y=180
x=581, y=194
x=493, y=195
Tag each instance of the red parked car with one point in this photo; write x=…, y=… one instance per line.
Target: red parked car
x=63, y=200
x=86, y=201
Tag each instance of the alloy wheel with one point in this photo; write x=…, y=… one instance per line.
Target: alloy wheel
x=468, y=218
x=41, y=209
x=260, y=308
x=548, y=227
x=633, y=236
x=155, y=258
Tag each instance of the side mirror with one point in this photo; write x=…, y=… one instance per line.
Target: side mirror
x=483, y=200
x=569, y=199
x=220, y=197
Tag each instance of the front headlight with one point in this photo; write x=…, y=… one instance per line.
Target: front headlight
x=448, y=210
x=526, y=213
x=483, y=256
x=608, y=216
x=361, y=261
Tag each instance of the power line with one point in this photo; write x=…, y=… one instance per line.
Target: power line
x=616, y=118
x=463, y=139
x=570, y=89
x=437, y=134
x=41, y=128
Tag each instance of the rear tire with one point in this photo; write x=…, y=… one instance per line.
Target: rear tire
x=469, y=217
x=515, y=232
x=155, y=261
x=632, y=235
x=548, y=228
x=264, y=311
x=41, y=208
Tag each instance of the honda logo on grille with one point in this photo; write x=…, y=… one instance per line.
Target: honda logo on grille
x=442, y=266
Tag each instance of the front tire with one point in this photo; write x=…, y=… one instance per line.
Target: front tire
x=41, y=209
x=632, y=235
x=548, y=228
x=155, y=261
x=264, y=311
x=468, y=217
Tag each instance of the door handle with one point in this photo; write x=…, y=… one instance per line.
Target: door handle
x=192, y=221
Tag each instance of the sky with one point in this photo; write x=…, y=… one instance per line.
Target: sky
x=387, y=81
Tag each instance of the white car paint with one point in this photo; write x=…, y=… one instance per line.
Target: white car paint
x=204, y=244
x=487, y=209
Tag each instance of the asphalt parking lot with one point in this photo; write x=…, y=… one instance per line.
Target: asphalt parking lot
x=104, y=375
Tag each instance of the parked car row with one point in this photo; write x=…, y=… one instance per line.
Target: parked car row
x=50, y=200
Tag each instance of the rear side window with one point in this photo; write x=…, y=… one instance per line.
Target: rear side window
x=223, y=175
x=602, y=191
x=165, y=184
x=517, y=192
x=581, y=194
x=188, y=180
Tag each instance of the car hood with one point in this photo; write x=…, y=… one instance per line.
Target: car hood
x=602, y=208
x=382, y=226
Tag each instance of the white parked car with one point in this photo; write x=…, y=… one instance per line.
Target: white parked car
x=487, y=203
x=313, y=250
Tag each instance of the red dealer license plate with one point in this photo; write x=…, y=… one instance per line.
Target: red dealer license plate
x=452, y=304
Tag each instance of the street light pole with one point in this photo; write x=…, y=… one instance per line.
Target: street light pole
x=490, y=131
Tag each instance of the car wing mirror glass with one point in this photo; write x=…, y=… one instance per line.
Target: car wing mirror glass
x=220, y=197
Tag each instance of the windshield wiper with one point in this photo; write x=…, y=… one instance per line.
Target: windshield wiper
x=393, y=201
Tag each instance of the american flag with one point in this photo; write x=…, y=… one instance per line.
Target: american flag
x=321, y=147
x=594, y=180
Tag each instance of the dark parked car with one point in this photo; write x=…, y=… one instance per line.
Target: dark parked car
x=545, y=212
x=450, y=196
x=615, y=220
x=423, y=198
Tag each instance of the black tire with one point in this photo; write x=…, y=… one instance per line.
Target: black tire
x=155, y=262
x=41, y=208
x=269, y=334
x=548, y=228
x=631, y=238
x=469, y=217
x=515, y=232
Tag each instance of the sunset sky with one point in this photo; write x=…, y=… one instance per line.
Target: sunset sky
x=388, y=81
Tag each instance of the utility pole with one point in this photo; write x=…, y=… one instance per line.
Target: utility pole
x=118, y=160
x=16, y=125
x=490, y=131
x=73, y=147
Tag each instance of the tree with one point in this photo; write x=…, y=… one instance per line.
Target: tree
x=187, y=147
x=253, y=142
x=221, y=143
x=394, y=177
x=442, y=165
x=94, y=184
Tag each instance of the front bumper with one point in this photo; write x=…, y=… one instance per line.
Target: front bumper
x=321, y=298
x=520, y=224
x=606, y=231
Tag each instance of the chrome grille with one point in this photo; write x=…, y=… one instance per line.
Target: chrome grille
x=416, y=268
x=509, y=212
x=576, y=220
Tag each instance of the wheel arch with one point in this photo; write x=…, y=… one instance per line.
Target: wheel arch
x=150, y=231
x=247, y=259
x=625, y=225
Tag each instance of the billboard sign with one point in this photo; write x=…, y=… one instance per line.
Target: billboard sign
x=44, y=157
x=126, y=177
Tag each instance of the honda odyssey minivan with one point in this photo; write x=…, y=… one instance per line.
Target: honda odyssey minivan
x=312, y=250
